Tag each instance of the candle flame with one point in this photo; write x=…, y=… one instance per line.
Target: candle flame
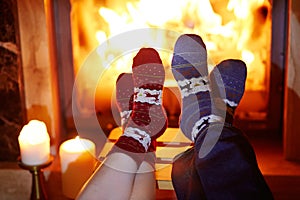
x=77, y=145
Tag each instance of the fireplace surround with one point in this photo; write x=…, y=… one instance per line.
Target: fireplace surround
x=269, y=119
x=45, y=46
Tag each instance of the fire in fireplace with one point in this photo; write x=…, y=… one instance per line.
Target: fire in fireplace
x=42, y=74
x=231, y=29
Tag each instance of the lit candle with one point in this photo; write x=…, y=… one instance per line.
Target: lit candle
x=34, y=142
x=77, y=159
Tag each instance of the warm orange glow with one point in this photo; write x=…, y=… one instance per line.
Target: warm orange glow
x=78, y=145
x=34, y=143
x=77, y=160
x=238, y=29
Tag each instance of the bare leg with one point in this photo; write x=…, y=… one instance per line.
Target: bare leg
x=144, y=183
x=112, y=180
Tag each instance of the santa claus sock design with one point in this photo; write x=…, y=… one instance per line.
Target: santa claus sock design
x=189, y=68
x=228, y=85
x=148, y=118
x=124, y=97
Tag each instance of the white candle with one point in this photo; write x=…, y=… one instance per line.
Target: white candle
x=34, y=142
x=77, y=159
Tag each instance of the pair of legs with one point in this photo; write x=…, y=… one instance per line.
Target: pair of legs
x=222, y=163
x=128, y=170
x=120, y=178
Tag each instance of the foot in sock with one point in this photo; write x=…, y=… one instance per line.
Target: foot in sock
x=148, y=118
x=149, y=77
x=124, y=97
x=228, y=85
x=189, y=68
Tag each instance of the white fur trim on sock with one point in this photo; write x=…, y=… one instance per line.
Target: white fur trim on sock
x=141, y=96
x=193, y=85
x=125, y=115
x=199, y=125
x=230, y=103
x=139, y=135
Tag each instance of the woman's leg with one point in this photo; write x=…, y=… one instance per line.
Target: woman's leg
x=144, y=183
x=112, y=180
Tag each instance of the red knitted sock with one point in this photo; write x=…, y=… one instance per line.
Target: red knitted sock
x=124, y=97
x=148, y=119
x=149, y=77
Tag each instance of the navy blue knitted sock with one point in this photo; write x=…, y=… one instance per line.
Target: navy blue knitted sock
x=228, y=85
x=189, y=68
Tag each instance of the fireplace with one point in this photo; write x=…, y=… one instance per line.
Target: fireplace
x=37, y=69
x=253, y=32
x=37, y=76
x=49, y=67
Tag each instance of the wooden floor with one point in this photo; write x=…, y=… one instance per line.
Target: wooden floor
x=282, y=176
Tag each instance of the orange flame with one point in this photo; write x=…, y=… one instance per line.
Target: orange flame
x=235, y=29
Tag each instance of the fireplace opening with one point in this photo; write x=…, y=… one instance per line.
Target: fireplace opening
x=243, y=30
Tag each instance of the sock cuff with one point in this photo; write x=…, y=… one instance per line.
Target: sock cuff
x=203, y=123
x=141, y=136
x=134, y=142
x=131, y=147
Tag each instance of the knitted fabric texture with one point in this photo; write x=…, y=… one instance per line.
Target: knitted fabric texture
x=124, y=97
x=148, y=76
x=189, y=68
x=148, y=118
x=228, y=85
